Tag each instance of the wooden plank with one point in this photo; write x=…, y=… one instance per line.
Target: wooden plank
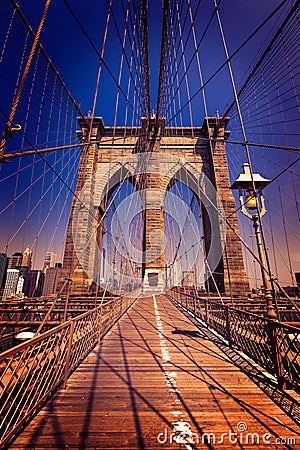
x=152, y=370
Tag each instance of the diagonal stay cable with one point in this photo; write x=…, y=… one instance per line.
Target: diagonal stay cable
x=35, y=151
x=17, y=154
x=259, y=144
x=20, y=87
x=41, y=48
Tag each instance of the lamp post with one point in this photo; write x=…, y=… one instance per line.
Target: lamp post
x=251, y=199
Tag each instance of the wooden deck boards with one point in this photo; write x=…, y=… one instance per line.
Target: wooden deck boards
x=154, y=369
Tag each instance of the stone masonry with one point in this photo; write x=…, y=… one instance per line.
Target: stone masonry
x=200, y=147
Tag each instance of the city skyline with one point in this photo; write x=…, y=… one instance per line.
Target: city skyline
x=18, y=278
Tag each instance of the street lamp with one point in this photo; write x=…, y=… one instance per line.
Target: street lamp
x=251, y=198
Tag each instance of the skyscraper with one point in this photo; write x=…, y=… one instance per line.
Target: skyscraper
x=15, y=261
x=27, y=260
x=33, y=283
x=20, y=284
x=297, y=276
x=50, y=260
x=11, y=282
x=51, y=278
x=3, y=267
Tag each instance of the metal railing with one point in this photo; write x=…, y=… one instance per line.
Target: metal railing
x=32, y=371
x=275, y=346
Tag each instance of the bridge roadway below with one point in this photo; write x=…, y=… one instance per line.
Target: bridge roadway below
x=155, y=375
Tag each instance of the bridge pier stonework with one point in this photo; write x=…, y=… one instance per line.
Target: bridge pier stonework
x=151, y=163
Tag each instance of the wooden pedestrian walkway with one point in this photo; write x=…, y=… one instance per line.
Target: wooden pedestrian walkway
x=158, y=381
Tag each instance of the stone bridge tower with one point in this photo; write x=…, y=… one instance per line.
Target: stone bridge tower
x=202, y=148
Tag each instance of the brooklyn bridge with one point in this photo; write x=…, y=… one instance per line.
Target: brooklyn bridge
x=149, y=217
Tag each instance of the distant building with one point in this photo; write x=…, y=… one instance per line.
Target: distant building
x=50, y=260
x=33, y=283
x=26, y=260
x=188, y=278
x=20, y=285
x=15, y=261
x=51, y=278
x=12, y=276
x=292, y=291
x=3, y=268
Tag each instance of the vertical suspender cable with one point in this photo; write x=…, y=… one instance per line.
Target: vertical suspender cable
x=23, y=79
x=162, y=58
x=268, y=48
x=146, y=57
x=245, y=143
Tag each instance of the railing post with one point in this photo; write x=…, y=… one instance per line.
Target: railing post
x=228, y=329
x=206, y=311
x=99, y=324
x=276, y=353
x=68, y=357
x=114, y=312
x=69, y=282
x=194, y=300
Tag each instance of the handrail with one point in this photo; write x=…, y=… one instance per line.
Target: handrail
x=273, y=345
x=32, y=371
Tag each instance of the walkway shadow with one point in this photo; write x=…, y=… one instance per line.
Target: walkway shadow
x=283, y=398
x=137, y=422
x=286, y=400
x=49, y=419
x=213, y=384
x=84, y=433
x=190, y=333
x=157, y=359
x=52, y=419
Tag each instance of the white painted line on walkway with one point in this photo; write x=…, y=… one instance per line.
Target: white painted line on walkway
x=181, y=428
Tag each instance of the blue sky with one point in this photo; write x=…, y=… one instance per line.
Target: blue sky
x=78, y=63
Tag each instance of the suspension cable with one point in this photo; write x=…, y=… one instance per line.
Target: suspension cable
x=98, y=54
x=161, y=75
x=217, y=71
x=244, y=138
x=17, y=97
x=268, y=48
